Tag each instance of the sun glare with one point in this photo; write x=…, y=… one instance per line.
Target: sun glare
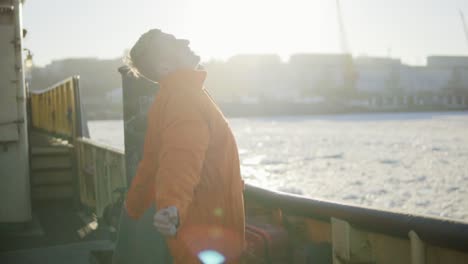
x=223, y=28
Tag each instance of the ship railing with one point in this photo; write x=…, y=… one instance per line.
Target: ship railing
x=360, y=234
x=57, y=110
x=101, y=171
x=354, y=232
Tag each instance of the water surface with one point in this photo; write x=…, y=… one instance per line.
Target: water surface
x=411, y=162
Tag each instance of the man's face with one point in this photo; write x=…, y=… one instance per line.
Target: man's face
x=170, y=50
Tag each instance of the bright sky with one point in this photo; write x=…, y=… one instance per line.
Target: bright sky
x=407, y=29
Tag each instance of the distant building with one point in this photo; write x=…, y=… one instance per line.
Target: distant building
x=447, y=61
x=377, y=75
x=419, y=80
x=317, y=74
x=384, y=76
x=248, y=77
x=309, y=77
x=457, y=68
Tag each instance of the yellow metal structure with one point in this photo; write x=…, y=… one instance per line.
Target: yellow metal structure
x=54, y=110
x=101, y=170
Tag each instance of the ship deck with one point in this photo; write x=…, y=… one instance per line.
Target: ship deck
x=58, y=233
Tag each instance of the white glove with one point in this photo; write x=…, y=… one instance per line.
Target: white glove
x=166, y=221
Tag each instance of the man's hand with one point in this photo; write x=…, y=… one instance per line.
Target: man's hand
x=166, y=221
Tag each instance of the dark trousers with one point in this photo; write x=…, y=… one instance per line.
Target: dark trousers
x=139, y=242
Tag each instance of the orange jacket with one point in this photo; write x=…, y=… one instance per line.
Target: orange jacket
x=190, y=160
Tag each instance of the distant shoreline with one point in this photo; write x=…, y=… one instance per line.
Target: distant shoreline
x=289, y=109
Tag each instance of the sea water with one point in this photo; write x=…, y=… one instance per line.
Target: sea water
x=409, y=162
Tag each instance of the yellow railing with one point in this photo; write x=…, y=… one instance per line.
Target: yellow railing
x=56, y=110
x=101, y=170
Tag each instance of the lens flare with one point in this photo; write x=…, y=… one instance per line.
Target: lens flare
x=218, y=212
x=211, y=257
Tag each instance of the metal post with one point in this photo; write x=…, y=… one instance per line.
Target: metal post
x=418, y=249
x=14, y=151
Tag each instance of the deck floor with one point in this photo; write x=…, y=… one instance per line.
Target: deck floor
x=52, y=237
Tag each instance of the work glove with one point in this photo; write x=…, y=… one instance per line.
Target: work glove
x=166, y=221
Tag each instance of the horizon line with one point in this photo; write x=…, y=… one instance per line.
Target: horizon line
x=282, y=58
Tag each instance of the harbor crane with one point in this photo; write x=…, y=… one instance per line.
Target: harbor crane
x=342, y=31
x=350, y=75
x=465, y=28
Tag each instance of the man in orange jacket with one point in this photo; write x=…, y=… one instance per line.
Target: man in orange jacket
x=190, y=167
